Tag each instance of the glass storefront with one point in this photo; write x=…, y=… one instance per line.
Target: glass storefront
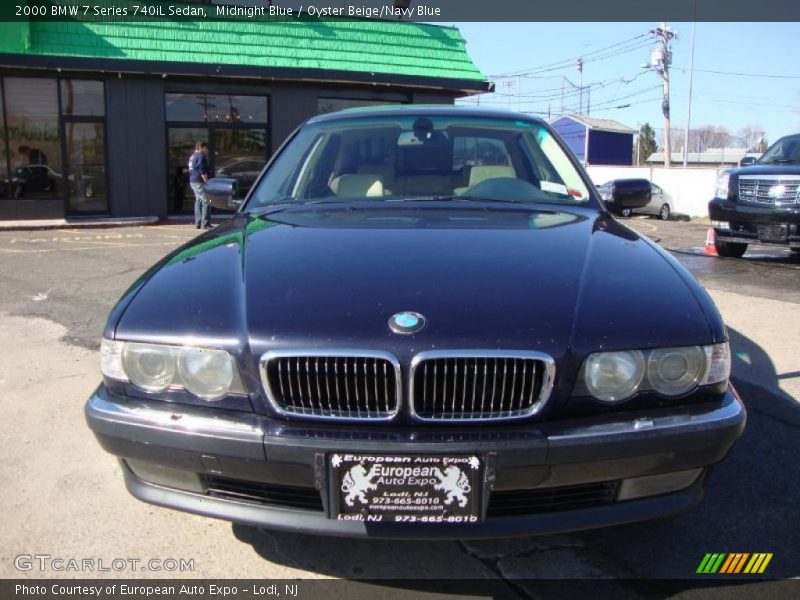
x=86, y=165
x=180, y=145
x=34, y=141
x=82, y=98
x=233, y=126
x=53, y=147
x=5, y=181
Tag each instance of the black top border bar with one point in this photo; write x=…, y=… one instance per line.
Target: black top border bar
x=432, y=11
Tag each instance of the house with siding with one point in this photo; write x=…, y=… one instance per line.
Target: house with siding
x=99, y=118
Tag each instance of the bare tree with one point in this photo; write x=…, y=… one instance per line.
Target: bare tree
x=750, y=135
x=709, y=136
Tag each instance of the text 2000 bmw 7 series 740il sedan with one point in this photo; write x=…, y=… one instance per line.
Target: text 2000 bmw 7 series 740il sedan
x=422, y=322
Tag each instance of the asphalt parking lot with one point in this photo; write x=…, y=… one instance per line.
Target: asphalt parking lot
x=69, y=500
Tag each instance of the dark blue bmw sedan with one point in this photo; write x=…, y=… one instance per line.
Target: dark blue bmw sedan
x=422, y=322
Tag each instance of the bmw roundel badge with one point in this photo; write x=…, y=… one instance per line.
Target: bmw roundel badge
x=406, y=322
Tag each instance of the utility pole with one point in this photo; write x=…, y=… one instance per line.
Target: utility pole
x=638, y=141
x=579, y=64
x=691, y=77
x=660, y=60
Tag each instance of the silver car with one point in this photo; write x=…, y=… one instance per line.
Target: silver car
x=659, y=204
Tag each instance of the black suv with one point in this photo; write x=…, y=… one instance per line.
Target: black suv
x=759, y=203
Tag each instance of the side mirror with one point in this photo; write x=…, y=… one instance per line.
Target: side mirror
x=747, y=160
x=222, y=193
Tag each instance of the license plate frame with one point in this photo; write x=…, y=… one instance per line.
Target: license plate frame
x=773, y=232
x=405, y=488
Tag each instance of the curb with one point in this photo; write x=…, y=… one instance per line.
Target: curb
x=81, y=224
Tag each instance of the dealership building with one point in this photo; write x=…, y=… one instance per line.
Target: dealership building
x=100, y=118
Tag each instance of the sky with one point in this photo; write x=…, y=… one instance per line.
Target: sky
x=547, y=52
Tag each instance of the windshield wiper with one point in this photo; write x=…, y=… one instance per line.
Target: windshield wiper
x=781, y=161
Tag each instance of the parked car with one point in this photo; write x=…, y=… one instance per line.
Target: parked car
x=759, y=203
x=481, y=351
x=34, y=179
x=623, y=196
x=660, y=205
x=41, y=178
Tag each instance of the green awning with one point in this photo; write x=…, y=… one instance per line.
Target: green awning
x=366, y=46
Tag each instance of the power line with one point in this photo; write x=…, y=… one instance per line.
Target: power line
x=555, y=92
x=601, y=103
x=567, y=62
x=767, y=75
x=628, y=104
x=620, y=52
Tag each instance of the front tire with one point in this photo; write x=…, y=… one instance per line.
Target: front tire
x=626, y=212
x=664, y=212
x=730, y=249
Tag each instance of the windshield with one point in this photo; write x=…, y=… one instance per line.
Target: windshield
x=785, y=150
x=408, y=157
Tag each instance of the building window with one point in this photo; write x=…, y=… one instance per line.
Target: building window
x=34, y=143
x=233, y=126
x=86, y=167
x=82, y=98
x=43, y=118
x=5, y=181
x=216, y=108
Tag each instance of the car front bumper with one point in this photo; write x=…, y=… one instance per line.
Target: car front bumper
x=574, y=472
x=743, y=221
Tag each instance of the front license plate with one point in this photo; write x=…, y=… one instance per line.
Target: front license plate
x=773, y=233
x=392, y=488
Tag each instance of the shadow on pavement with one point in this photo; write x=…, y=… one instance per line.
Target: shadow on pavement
x=751, y=506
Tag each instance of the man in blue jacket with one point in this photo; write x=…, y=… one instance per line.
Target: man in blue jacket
x=198, y=178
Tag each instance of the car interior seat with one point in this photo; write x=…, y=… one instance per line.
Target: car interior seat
x=480, y=173
x=355, y=185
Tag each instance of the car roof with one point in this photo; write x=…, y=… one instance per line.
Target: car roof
x=424, y=110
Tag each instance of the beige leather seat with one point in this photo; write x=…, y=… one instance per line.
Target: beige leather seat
x=353, y=185
x=480, y=173
x=384, y=172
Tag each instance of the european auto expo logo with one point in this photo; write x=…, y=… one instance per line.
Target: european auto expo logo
x=406, y=322
x=734, y=563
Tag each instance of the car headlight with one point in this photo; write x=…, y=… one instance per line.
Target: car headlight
x=675, y=371
x=723, y=181
x=616, y=376
x=149, y=366
x=209, y=374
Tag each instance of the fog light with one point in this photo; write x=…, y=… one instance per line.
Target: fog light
x=720, y=224
x=653, y=485
x=167, y=476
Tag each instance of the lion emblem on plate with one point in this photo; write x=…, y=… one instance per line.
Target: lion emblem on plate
x=455, y=483
x=355, y=483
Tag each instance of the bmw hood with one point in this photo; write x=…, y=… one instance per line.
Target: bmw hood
x=555, y=281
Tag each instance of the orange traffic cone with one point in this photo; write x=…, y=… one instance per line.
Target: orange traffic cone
x=711, y=247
